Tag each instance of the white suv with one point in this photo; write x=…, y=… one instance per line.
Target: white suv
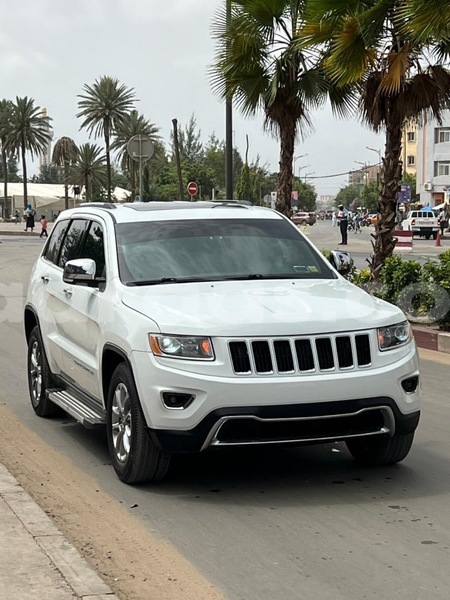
x=183, y=326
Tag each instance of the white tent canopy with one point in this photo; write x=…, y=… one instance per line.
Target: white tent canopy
x=50, y=196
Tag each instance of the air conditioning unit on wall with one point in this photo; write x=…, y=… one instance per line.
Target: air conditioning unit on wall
x=428, y=186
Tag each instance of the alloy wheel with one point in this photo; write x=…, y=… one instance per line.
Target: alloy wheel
x=121, y=423
x=36, y=372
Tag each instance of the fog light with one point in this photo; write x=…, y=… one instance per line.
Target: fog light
x=177, y=400
x=410, y=384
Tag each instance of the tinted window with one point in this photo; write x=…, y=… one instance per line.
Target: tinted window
x=55, y=240
x=216, y=249
x=72, y=242
x=93, y=247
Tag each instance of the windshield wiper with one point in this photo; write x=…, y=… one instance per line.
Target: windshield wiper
x=168, y=280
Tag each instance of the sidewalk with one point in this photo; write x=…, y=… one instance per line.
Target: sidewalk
x=18, y=229
x=36, y=560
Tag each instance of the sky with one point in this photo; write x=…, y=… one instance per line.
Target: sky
x=163, y=49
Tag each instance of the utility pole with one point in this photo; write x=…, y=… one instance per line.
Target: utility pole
x=177, y=159
x=228, y=130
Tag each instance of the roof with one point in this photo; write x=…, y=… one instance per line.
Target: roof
x=160, y=211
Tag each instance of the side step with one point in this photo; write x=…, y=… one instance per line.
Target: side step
x=86, y=414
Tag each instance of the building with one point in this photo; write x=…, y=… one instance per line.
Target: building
x=409, y=148
x=433, y=160
x=45, y=157
x=365, y=175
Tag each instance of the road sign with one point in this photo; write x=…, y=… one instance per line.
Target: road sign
x=192, y=188
x=140, y=148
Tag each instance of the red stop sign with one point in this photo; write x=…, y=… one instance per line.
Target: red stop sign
x=192, y=188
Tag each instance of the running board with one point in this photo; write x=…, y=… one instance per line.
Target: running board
x=89, y=416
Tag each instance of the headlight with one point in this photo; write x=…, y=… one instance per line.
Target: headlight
x=394, y=336
x=180, y=346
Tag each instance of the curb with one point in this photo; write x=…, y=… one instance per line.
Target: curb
x=432, y=339
x=47, y=541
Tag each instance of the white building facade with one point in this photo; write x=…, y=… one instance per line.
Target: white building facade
x=433, y=161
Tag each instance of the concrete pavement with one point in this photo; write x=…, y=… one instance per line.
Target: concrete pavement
x=36, y=561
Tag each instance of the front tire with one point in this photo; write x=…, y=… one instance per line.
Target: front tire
x=380, y=451
x=134, y=456
x=39, y=377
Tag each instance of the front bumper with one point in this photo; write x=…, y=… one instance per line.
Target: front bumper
x=290, y=424
x=268, y=397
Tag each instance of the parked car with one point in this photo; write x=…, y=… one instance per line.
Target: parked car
x=422, y=223
x=303, y=218
x=184, y=326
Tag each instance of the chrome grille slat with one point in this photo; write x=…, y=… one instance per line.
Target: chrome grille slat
x=287, y=356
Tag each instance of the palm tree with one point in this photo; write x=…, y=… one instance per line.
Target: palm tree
x=131, y=125
x=393, y=51
x=259, y=65
x=103, y=106
x=64, y=154
x=29, y=131
x=5, y=120
x=88, y=170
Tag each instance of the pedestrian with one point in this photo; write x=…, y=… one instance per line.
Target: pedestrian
x=342, y=218
x=333, y=219
x=43, y=227
x=16, y=217
x=29, y=215
x=442, y=220
x=357, y=221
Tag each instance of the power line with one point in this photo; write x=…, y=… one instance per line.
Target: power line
x=345, y=172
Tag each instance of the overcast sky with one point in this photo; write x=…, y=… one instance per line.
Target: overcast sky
x=162, y=48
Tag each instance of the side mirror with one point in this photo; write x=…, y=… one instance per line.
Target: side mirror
x=341, y=261
x=80, y=270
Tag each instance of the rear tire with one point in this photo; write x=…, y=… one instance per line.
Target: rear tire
x=39, y=377
x=134, y=456
x=380, y=451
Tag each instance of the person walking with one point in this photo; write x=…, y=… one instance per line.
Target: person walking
x=43, y=227
x=29, y=215
x=442, y=220
x=342, y=218
x=333, y=219
x=16, y=217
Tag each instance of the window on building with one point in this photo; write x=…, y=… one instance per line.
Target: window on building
x=442, y=167
x=411, y=135
x=442, y=135
x=411, y=161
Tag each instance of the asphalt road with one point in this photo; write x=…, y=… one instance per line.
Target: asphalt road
x=258, y=525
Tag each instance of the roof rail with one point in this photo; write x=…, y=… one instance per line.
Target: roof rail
x=98, y=204
x=236, y=203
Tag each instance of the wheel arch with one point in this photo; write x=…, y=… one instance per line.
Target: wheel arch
x=30, y=320
x=112, y=357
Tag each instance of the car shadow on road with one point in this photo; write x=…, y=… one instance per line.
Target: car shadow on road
x=308, y=475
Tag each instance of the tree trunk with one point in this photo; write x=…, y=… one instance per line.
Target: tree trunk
x=86, y=188
x=5, y=185
x=108, y=162
x=284, y=191
x=177, y=159
x=66, y=187
x=24, y=172
x=391, y=173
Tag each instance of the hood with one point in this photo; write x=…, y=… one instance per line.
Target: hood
x=260, y=308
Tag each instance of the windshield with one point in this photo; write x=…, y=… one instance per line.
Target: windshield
x=214, y=250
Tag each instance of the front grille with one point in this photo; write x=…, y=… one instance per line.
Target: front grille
x=300, y=355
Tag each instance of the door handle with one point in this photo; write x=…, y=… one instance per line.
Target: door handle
x=67, y=292
x=45, y=278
